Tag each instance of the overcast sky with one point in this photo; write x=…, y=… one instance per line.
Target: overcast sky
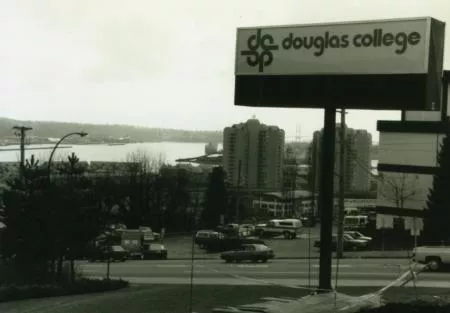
x=159, y=63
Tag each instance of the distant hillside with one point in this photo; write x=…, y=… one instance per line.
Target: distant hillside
x=105, y=133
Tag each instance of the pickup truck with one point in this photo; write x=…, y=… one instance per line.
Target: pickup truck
x=434, y=256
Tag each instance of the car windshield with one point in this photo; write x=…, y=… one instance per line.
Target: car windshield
x=348, y=237
x=357, y=235
x=156, y=247
x=261, y=247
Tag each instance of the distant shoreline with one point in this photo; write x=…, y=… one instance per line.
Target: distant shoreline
x=112, y=143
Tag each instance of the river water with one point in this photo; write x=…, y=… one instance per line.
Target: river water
x=170, y=151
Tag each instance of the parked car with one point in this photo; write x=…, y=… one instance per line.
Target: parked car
x=113, y=253
x=230, y=243
x=203, y=237
x=308, y=220
x=249, y=252
x=358, y=235
x=434, y=256
x=154, y=251
x=349, y=243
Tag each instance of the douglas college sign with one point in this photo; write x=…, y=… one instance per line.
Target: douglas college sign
x=376, y=54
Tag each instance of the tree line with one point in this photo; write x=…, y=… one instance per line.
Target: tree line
x=54, y=217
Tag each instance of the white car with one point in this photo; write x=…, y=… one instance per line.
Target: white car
x=357, y=235
x=433, y=256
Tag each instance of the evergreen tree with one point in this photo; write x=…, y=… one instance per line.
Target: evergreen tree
x=216, y=200
x=437, y=219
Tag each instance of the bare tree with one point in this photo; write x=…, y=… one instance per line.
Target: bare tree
x=143, y=162
x=143, y=168
x=399, y=188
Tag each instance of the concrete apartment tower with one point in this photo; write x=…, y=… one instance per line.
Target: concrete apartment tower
x=259, y=149
x=357, y=159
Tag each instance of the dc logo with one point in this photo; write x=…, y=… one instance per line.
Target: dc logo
x=255, y=57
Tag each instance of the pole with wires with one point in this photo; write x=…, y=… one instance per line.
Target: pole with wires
x=341, y=212
x=194, y=227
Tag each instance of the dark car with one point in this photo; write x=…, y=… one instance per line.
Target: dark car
x=154, y=251
x=308, y=221
x=249, y=252
x=204, y=237
x=349, y=243
x=230, y=243
x=113, y=253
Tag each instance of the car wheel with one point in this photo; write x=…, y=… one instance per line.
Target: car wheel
x=286, y=235
x=434, y=263
x=264, y=260
x=228, y=260
x=124, y=259
x=255, y=260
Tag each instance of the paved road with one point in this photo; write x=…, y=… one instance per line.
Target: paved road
x=351, y=272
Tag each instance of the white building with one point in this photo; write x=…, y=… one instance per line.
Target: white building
x=407, y=160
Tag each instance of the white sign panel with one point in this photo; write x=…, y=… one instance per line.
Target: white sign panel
x=376, y=47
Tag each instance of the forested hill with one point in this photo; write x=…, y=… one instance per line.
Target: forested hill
x=97, y=133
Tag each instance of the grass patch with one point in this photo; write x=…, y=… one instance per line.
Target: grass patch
x=176, y=299
x=81, y=286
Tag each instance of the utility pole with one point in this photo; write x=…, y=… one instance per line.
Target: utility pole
x=21, y=132
x=341, y=212
x=238, y=191
x=326, y=198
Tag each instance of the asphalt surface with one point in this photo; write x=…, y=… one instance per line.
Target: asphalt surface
x=350, y=272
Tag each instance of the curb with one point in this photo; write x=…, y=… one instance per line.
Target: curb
x=298, y=258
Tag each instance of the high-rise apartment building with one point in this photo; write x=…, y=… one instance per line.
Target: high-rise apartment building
x=357, y=159
x=253, y=155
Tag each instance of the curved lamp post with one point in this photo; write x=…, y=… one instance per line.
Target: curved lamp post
x=81, y=134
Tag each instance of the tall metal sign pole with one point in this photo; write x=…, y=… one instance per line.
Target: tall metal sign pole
x=340, y=233
x=325, y=202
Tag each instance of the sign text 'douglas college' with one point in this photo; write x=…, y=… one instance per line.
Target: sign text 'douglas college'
x=379, y=47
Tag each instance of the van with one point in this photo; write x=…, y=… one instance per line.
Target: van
x=289, y=228
x=354, y=222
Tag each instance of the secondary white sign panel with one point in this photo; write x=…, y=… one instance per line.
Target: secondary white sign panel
x=375, y=47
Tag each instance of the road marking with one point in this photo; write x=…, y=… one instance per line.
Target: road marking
x=294, y=273
x=172, y=265
x=334, y=265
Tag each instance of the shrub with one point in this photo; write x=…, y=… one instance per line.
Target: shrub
x=81, y=286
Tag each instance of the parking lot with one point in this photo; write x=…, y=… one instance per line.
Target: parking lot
x=180, y=247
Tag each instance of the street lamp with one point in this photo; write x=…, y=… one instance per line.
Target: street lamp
x=81, y=134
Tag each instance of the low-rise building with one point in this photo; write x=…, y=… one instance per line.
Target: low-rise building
x=408, y=152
